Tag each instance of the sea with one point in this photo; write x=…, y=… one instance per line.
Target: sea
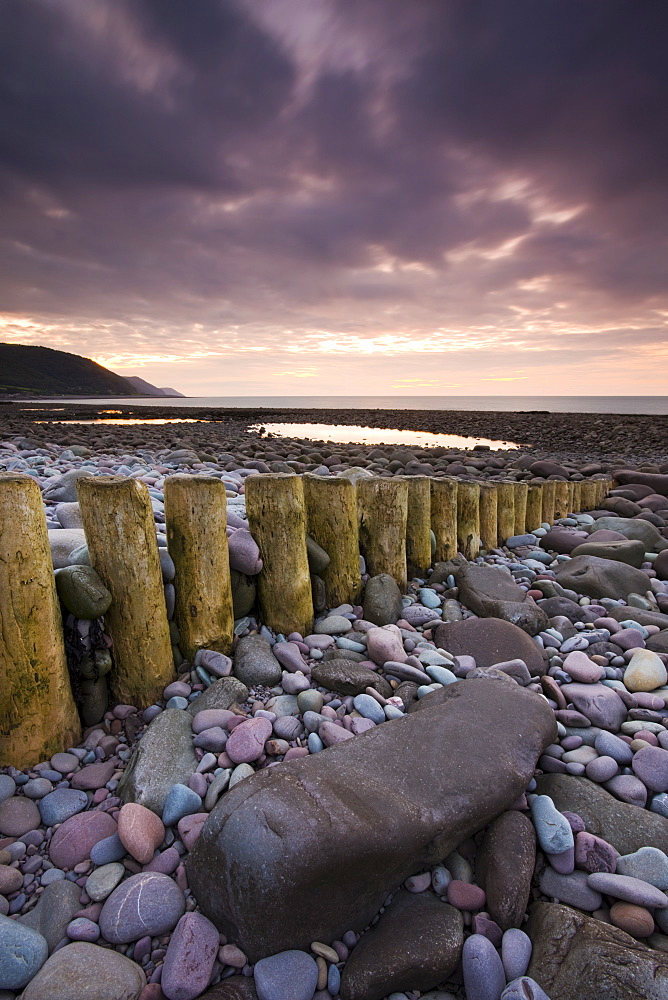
x=652, y=405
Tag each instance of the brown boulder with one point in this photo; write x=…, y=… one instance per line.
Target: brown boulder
x=348, y=677
x=415, y=945
x=490, y=641
x=655, y=481
x=578, y=956
x=311, y=848
x=505, y=865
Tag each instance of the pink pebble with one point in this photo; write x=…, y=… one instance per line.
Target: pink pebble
x=296, y=752
x=212, y=717
x=418, y=883
x=246, y=742
x=648, y=737
x=465, y=896
x=190, y=828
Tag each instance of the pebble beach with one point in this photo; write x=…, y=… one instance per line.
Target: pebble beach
x=420, y=798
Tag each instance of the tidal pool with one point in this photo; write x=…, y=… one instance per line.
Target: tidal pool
x=354, y=434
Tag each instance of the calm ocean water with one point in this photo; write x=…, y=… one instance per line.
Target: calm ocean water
x=554, y=404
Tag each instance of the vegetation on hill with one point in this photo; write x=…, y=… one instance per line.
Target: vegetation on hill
x=41, y=371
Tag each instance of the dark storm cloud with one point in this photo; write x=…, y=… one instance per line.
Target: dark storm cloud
x=358, y=168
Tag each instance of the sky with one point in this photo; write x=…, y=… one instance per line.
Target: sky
x=340, y=197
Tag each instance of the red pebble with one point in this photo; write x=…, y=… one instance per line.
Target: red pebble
x=465, y=896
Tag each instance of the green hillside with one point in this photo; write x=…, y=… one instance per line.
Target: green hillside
x=40, y=371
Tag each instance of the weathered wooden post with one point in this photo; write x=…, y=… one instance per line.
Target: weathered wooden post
x=418, y=526
x=505, y=510
x=37, y=713
x=548, y=501
x=571, y=490
x=444, y=517
x=196, y=516
x=561, y=497
x=120, y=534
x=468, y=518
x=331, y=520
x=577, y=497
x=277, y=520
x=588, y=490
x=534, y=516
x=382, y=508
x=520, y=519
x=488, y=516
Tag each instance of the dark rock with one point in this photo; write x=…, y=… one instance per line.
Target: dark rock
x=407, y=691
x=554, y=606
x=658, y=643
x=546, y=469
x=596, y=577
x=621, y=824
x=621, y=507
x=661, y=565
x=56, y=907
x=504, y=867
x=318, y=559
x=365, y=824
x=164, y=756
x=562, y=540
x=82, y=592
x=492, y=593
x=490, y=641
x=94, y=700
x=623, y=614
x=382, y=600
x=343, y=654
x=244, y=592
x=222, y=693
x=415, y=945
x=442, y=570
x=348, y=677
x=578, y=956
x=254, y=662
x=631, y=551
x=234, y=988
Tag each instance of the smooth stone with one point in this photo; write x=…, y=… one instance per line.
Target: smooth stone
x=385, y=643
x=635, y=920
x=82, y=929
x=630, y=551
x=85, y=971
x=627, y=888
x=23, y=951
x=484, y=977
x=60, y=804
x=94, y=776
x=599, y=704
x=73, y=841
x=56, y=907
x=453, y=788
x=8, y=785
x=107, y=850
x=102, y=882
x=210, y=719
x=181, y=801
x=369, y=708
x=573, y=889
x=524, y=988
x=629, y=789
x=287, y=973
x=37, y=788
x=82, y=592
x=515, y=953
x=334, y=625
x=582, y=669
x=149, y=903
x=552, y=828
x=164, y=756
x=504, y=867
x=348, y=678
x=431, y=937
x=17, y=816
x=577, y=956
x=62, y=542
x=140, y=831
x=593, y=854
x=190, y=958
x=255, y=663
x=646, y=671
x=609, y=745
x=492, y=592
x=648, y=864
x=214, y=663
x=650, y=764
x=246, y=743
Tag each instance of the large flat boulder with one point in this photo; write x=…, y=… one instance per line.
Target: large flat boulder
x=623, y=825
x=492, y=593
x=575, y=956
x=312, y=847
x=595, y=577
x=490, y=641
x=631, y=527
x=656, y=481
